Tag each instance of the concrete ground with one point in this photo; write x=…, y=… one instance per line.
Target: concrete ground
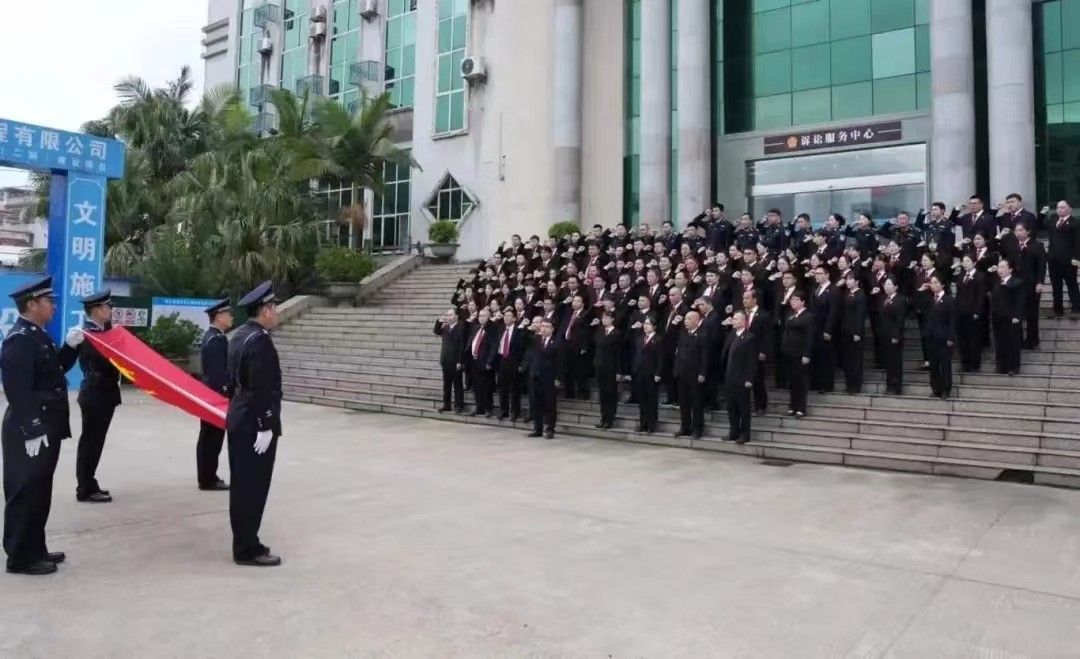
x=409, y=538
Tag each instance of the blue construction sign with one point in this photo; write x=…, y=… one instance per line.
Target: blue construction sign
x=81, y=166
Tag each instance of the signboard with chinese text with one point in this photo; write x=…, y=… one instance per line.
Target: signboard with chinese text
x=831, y=138
x=186, y=308
x=37, y=147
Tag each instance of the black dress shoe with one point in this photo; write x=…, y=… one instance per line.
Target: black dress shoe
x=602, y=425
x=57, y=557
x=218, y=486
x=266, y=560
x=742, y=440
x=37, y=568
x=535, y=434
x=516, y=418
x=696, y=435
x=504, y=417
x=682, y=433
x=444, y=409
x=94, y=497
x=549, y=434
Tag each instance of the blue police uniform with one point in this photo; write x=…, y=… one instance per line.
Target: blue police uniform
x=32, y=371
x=255, y=406
x=99, y=395
x=214, y=353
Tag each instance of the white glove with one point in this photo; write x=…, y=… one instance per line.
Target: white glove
x=262, y=441
x=33, y=446
x=74, y=337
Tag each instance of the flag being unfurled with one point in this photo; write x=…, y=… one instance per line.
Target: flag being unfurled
x=158, y=376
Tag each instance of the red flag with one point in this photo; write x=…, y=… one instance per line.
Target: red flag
x=158, y=376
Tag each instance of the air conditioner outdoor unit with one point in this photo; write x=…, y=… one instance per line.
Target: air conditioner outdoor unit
x=317, y=30
x=473, y=69
x=266, y=45
x=369, y=9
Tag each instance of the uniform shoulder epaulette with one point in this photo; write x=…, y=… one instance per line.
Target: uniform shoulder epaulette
x=14, y=333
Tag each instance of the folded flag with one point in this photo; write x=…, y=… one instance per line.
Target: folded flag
x=159, y=377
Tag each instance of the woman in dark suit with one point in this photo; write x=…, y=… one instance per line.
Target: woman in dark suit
x=971, y=292
x=606, y=363
x=796, y=347
x=648, y=357
x=891, y=325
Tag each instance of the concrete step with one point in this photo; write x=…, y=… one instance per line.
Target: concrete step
x=802, y=446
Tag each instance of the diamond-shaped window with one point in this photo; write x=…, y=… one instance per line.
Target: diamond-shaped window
x=450, y=201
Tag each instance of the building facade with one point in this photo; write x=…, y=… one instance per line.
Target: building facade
x=521, y=114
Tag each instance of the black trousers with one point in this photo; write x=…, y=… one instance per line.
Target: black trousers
x=854, y=354
x=798, y=380
x=28, y=484
x=668, y=379
x=738, y=409
x=542, y=405
x=875, y=329
x=483, y=382
x=922, y=339
x=1032, y=302
x=823, y=366
x=1063, y=273
x=1007, y=345
x=647, y=393
x=761, y=392
x=452, y=381
x=691, y=405
x=207, y=450
x=892, y=360
x=510, y=382
x=251, y=475
x=95, y=426
x=575, y=377
x=609, y=395
x=940, y=368
x=969, y=338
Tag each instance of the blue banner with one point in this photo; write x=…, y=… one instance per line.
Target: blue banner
x=27, y=146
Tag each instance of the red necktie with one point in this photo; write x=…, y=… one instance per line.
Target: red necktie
x=570, y=326
x=506, y=344
x=476, y=343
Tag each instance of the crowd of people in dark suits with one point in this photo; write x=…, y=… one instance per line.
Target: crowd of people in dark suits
x=722, y=307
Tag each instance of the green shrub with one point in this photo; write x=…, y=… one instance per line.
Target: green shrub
x=560, y=230
x=342, y=264
x=172, y=337
x=443, y=232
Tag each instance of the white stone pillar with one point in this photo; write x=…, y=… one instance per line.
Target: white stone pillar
x=952, y=144
x=1011, y=93
x=567, y=107
x=695, y=150
x=655, y=111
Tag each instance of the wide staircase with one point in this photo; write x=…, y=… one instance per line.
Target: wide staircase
x=383, y=357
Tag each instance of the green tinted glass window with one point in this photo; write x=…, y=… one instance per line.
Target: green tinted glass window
x=452, y=40
x=1071, y=113
x=1051, y=15
x=810, y=23
x=772, y=31
x=853, y=101
x=894, y=95
x=894, y=53
x=768, y=5
x=922, y=48
x=888, y=15
x=1070, y=75
x=1053, y=77
x=849, y=18
x=811, y=107
x=1070, y=26
x=772, y=73
x=810, y=67
x=1055, y=114
x=923, y=91
x=772, y=112
x=922, y=12
x=851, y=61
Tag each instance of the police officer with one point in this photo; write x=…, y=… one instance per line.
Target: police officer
x=99, y=394
x=253, y=424
x=214, y=354
x=35, y=421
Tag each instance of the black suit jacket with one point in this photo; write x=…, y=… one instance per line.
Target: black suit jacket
x=580, y=332
x=985, y=223
x=692, y=354
x=854, y=316
x=517, y=346
x=971, y=293
x=214, y=355
x=939, y=319
x=1030, y=262
x=893, y=316
x=1007, y=299
x=101, y=380
x=798, y=338
x=741, y=355
x=452, y=351
x=542, y=362
x=486, y=344
x=826, y=309
x=607, y=351
x=1064, y=239
x=762, y=330
x=648, y=357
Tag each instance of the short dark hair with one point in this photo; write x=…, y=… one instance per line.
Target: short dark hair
x=1022, y=224
x=975, y=196
x=510, y=310
x=21, y=305
x=516, y=235
x=802, y=216
x=547, y=321
x=775, y=211
x=938, y=204
x=1014, y=195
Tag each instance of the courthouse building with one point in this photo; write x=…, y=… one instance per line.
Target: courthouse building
x=522, y=113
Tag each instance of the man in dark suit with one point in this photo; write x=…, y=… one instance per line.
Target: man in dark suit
x=477, y=350
x=712, y=326
x=796, y=347
x=542, y=366
x=691, y=366
x=939, y=328
x=506, y=361
x=975, y=221
x=99, y=396
x=214, y=355
x=852, y=334
x=1030, y=259
x=645, y=372
x=674, y=315
x=740, y=353
x=971, y=290
x=1064, y=232
x=1010, y=214
x=825, y=306
x=575, y=340
x=452, y=359
x=607, y=363
x=1007, y=308
x=891, y=325
x=759, y=323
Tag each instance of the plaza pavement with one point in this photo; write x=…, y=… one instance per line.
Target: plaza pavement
x=414, y=538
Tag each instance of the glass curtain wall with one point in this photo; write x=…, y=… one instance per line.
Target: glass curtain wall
x=390, y=220
x=294, y=54
x=250, y=65
x=450, y=93
x=344, y=51
x=401, y=52
x=1057, y=107
x=632, y=105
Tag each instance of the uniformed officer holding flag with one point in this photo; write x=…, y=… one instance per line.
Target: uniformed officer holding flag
x=99, y=395
x=36, y=419
x=253, y=424
x=215, y=368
